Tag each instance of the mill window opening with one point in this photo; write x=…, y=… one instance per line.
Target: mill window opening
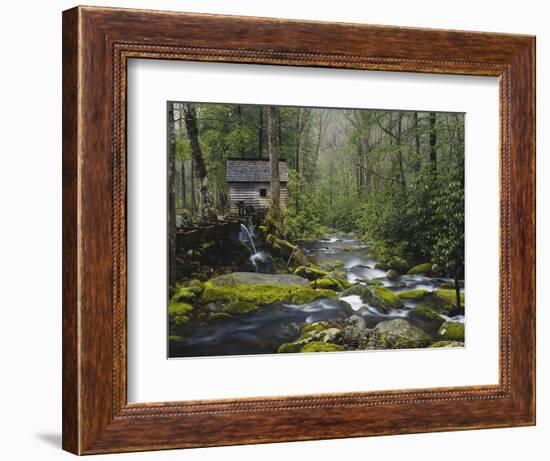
x=263, y=192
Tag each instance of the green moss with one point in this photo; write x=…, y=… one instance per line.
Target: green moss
x=381, y=266
x=430, y=319
x=392, y=274
x=425, y=313
x=326, y=283
x=358, y=290
x=310, y=273
x=424, y=268
x=175, y=338
x=239, y=307
x=374, y=283
x=398, y=264
x=187, y=292
x=413, y=294
x=287, y=348
x=449, y=296
x=315, y=327
x=178, y=313
x=256, y=294
x=447, y=344
x=262, y=294
x=306, y=295
x=388, y=297
x=219, y=315
x=451, y=331
x=175, y=307
x=281, y=247
x=330, y=283
x=318, y=346
x=183, y=294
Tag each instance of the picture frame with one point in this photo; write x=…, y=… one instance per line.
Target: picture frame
x=97, y=44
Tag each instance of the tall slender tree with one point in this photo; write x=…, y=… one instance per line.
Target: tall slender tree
x=433, y=144
x=274, y=147
x=199, y=165
x=171, y=197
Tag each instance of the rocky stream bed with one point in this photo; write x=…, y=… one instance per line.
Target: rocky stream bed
x=325, y=295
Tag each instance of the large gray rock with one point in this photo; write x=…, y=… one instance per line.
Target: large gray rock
x=358, y=290
x=356, y=321
x=402, y=329
x=355, y=330
x=253, y=278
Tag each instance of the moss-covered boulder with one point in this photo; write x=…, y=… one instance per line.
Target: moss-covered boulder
x=449, y=296
x=392, y=274
x=288, y=251
x=313, y=327
x=254, y=278
x=310, y=273
x=358, y=290
x=428, y=318
x=413, y=295
x=354, y=331
x=447, y=344
x=178, y=313
x=451, y=331
x=280, y=246
x=374, y=283
x=381, y=266
x=440, y=301
x=409, y=335
x=329, y=335
x=306, y=295
x=398, y=264
x=239, y=307
x=289, y=348
x=219, y=315
x=326, y=283
x=319, y=346
x=384, y=299
x=187, y=292
x=424, y=268
x=257, y=294
x=227, y=289
x=175, y=338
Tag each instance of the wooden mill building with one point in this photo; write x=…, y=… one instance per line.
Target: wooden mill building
x=249, y=186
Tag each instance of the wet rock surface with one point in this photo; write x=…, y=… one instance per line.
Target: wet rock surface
x=340, y=299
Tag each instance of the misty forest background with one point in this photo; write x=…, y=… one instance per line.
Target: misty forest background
x=393, y=178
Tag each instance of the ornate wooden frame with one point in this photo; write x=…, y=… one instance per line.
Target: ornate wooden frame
x=97, y=43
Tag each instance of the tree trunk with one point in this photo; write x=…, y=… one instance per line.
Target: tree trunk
x=193, y=198
x=433, y=145
x=400, y=149
x=205, y=199
x=183, y=196
x=273, y=147
x=297, y=142
x=182, y=170
x=261, y=132
x=457, y=287
x=417, y=143
x=171, y=198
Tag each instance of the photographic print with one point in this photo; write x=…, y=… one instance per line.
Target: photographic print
x=304, y=229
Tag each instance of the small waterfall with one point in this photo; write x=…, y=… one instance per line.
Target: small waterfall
x=260, y=259
x=245, y=231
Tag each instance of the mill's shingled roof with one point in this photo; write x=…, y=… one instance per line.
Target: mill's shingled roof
x=253, y=170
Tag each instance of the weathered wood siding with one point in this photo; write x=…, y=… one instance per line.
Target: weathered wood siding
x=249, y=193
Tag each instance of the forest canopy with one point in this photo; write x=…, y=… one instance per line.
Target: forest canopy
x=393, y=178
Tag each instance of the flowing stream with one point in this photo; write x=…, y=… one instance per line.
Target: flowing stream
x=264, y=330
